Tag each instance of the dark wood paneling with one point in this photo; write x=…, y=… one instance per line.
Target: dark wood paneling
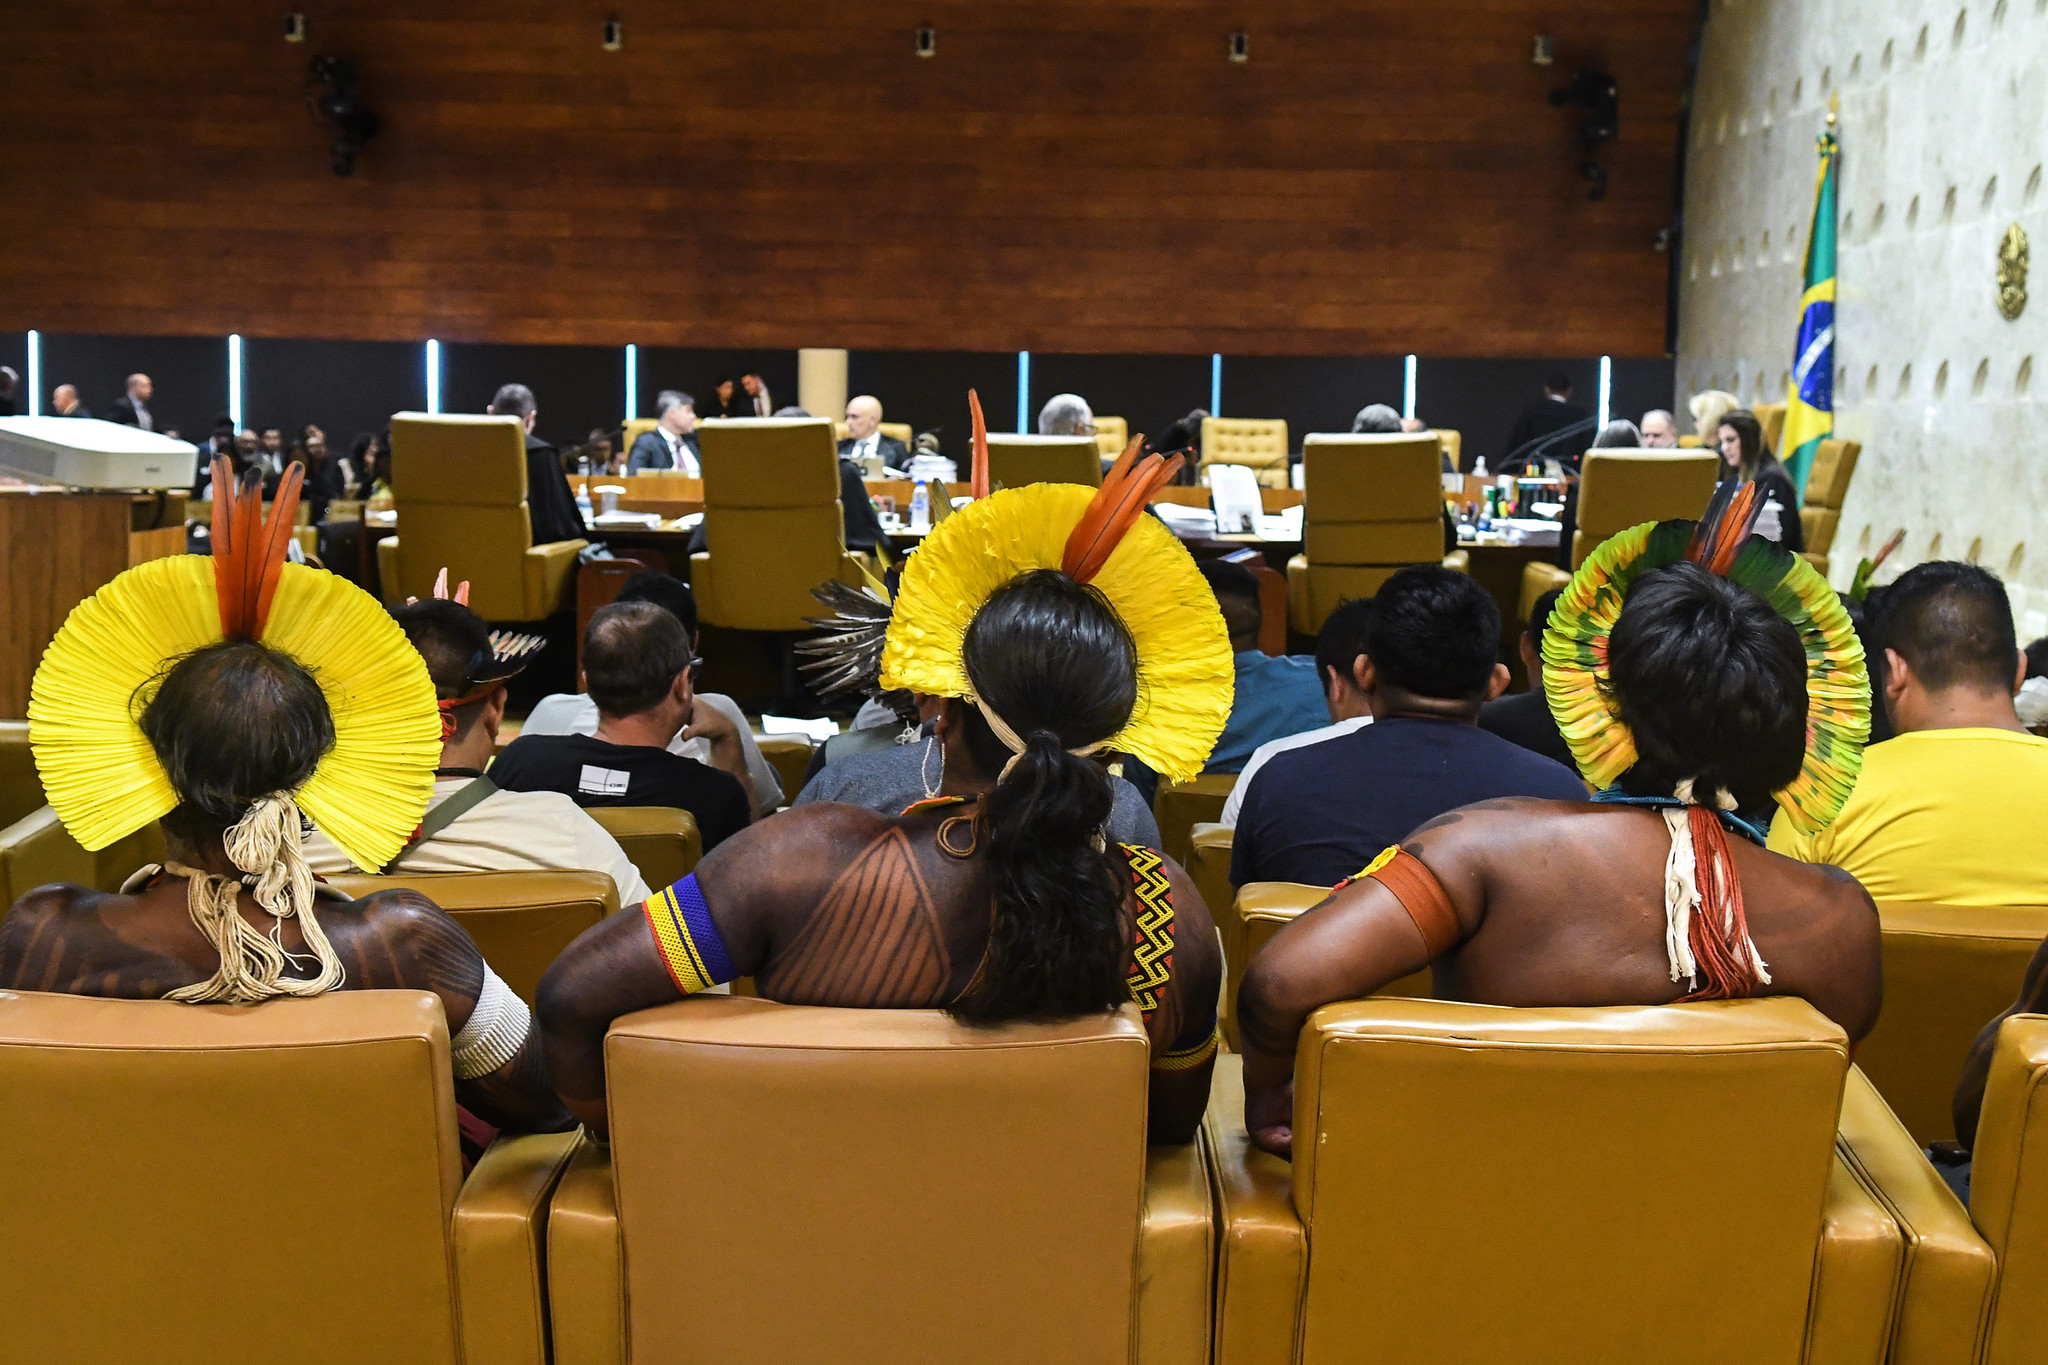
x=1075, y=175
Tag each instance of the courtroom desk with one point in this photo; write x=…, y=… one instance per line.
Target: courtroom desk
x=1498, y=569
x=58, y=549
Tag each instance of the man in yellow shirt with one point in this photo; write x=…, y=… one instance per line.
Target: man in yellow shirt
x=1950, y=810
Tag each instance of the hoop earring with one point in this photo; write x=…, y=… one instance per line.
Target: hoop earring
x=946, y=844
x=924, y=766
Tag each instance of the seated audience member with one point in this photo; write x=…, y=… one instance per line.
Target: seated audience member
x=2032, y=701
x=9, y=380
x=1317, y=815
x=727, y=400
x=327, y=476
x=1376, y=419
x=1746, y=458
x=1619, y=434
x=550, y=506
x=1000, y=899
x=473, y=824
x=755, y=401
x=1548, y=416
x=234, y=917
x=565, y=713
x=1066, y=414
x=1950, y=810
x=1706, y=408
x=64, y=402
x=366, y=459
x=1524, y=718
x=603, y=453
x=673, y=442
x=637, y=663
x=1701, y=700
x=131, y=409
x=1340, y=652
x=1659, y=431
x=864, y=438
x=1276, y=696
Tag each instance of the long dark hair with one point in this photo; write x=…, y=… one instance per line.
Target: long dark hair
x=1757, y=459
x=1055, y=662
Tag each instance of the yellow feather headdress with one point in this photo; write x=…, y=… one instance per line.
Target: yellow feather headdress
x=1098, y=536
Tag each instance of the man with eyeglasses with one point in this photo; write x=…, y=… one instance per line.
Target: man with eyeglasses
x=639, y=665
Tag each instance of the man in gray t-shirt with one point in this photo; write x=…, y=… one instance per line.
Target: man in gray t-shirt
x=892, y=779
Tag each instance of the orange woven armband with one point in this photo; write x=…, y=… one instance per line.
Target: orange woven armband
x=1421, y=895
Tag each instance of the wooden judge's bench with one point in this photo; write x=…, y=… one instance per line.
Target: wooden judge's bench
x=57, y=548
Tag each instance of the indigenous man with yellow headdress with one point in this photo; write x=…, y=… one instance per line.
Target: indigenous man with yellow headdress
x=225, y=696
x=1058, y=622
x=1699, y=674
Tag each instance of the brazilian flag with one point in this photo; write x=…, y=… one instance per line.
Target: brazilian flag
x=1810, y=403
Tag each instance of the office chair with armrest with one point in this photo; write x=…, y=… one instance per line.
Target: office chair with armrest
x=2009, y=1188
x=1827, y=488
x=37, y=850
x=21, y=787
x=1014, y=461
x=1112, y=434
x=1374, y=505
x=662, y=841
x=1623, y=488
x=1258, y=443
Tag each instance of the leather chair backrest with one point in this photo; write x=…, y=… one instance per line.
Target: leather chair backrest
x=790, y=756
x=520, y=921
x=459, y=483
x=1587, y=1184
x=773, y=527
x=1771, y=417
x=1620, y=489
x=1014, y=461
x=190, y=1184
x=663, y=841
x=37, y=850
x=1258, y=442
x=21, y=787
x=1452, y=443
x=1819, y=525
x=1179, y=806
x=1372, y=499
x=633, y=429
x=886, y=1185
x=1112, y=434
x=2009, y=1188
x=1948, y=970
x=1827, y=481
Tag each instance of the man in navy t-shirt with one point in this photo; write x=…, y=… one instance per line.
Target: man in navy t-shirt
x=1320, y=814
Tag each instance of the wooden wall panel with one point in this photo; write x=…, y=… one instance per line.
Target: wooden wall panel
x=1078, y=175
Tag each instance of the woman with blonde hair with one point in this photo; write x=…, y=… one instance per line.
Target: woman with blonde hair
x=1707, y=407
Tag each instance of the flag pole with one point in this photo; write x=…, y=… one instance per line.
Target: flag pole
x=1810, y=397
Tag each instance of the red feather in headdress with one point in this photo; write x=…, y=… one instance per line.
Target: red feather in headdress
x=249, y=551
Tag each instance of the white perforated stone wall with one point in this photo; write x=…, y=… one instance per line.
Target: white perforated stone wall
x=1944, y=127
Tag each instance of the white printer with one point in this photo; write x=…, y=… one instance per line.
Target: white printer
x=84, y=452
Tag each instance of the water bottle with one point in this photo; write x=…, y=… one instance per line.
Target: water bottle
x=1479, y=467
x=920, y=509
x=583, y=502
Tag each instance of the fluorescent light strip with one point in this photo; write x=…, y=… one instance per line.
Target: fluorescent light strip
x=35, y=373
x=632, y=381
x=1023, y=393
x=235, y=379
x=1216, y=384
x=1606, y=390
x=1408, y=390
x=433, y=377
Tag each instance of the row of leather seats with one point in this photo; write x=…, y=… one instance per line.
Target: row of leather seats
x=1706, y=1182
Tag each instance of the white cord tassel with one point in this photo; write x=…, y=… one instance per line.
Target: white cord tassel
x=1682, y=891
x=264, y=843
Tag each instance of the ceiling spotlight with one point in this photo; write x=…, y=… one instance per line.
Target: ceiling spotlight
x=927, y=42
x=614, y=35
x=1544, y=52
x=1240, y=46
x=332, y=96
x=295, y=28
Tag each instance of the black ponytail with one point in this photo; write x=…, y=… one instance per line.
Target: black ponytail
x=1052, y=659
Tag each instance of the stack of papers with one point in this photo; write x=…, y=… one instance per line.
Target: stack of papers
x=1189, y=523
x=817, y=731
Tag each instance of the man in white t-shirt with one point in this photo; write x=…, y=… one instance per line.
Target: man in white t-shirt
x=566, y=713
x=1339, y=649
x=495, y=831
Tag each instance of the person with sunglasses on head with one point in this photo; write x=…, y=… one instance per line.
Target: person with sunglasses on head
x=640, y=669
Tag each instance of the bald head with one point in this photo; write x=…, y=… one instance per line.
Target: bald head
x=1660, y=432
x=863, y=415
x=139, y=387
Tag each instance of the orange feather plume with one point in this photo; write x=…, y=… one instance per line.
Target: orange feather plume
x=1720, y=535
x=249, y=551
x=977, y=486
x=1116, y=507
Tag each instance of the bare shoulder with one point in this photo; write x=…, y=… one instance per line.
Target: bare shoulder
x=815, y=825
x=1504, y=822
x=399, y=937
x=43, y=909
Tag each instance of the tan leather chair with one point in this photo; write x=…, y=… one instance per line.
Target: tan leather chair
x=202, y=1184
x=847, y=1152
x=663, y=842
x=1112, y=434
x=1771, y=417
x=1948, y=971
x=1452, y=443
x=520, y=921
x=1014, y=461
x=1586, y=1185
x=1619, y=489
x=1257, y=911
x=37, y=850
x=1375, y=505
x=2009, y=1188
x=1827, y=487
x=773, y=526
x=21, y=787
x=1258, y=443
x=459, y=483
x=790, y=756
x=633, y=429
x=1180, y=806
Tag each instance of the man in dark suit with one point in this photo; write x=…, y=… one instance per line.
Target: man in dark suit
x=132, y=409
x=1551, y=413
x=864, y=439
x=673, y=442
x=550, y=506
x=64, y=402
